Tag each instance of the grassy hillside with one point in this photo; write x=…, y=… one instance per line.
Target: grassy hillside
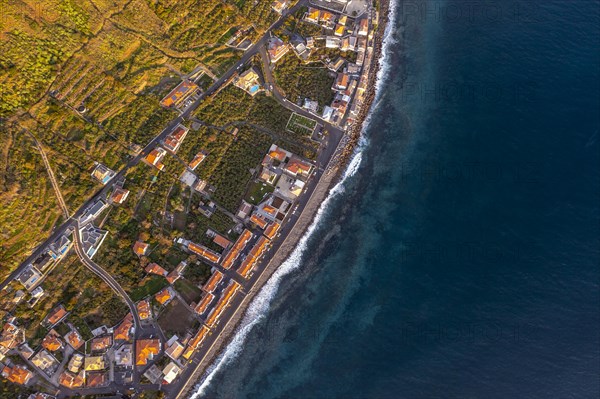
x=116, y=57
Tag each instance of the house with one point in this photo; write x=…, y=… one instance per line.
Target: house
x=195, y=342
x=10, y=338
x=335, y=66
x=248, y=81
x=92, y=212
x=327, y=19
x=102, y=173
x=55, y=316
x=204, y=303
x=163, y=297
x=188, y=178
x=221, y=241
x=276, y=49
x=124, y=355
x=332, y=42
x=74, y=339
x=198, y=158
x=171, y=371
x=17, y=374
x=59, y=248
x=252, y=258
x=279, y=5
x=174, y=349
x=145, y=350
x=363, y=27
x=154, y=268
x=312, y=15
x=143, y=308
x=93, y=380
x=44, y=361
x=339, y=30
x=101, y=343
x=327, y=113
x=310, y=105
x=343, y=20
x=204, y=252
x=71, y=380
x=200, y=186
x=52, y=341
x=176, y=274
x=123, y=331
x=119, y=196
x=258, y=221
x=140, y=248
x=268, y=176
x=155, y=157
x=174, y=139
x=244, y=210
x=94, y=363
x=75, y=363
x=213, y=281
x=92, y=238
x=180, y=94
x=341, y=81
x=272, y=230
x=30, y=277
x=275, y=156
x=213, y=316
x=153, y=374
x=235, y=251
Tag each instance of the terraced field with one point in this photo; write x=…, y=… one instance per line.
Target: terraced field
x=113, y=58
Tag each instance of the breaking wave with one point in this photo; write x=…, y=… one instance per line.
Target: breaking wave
x=260, y=304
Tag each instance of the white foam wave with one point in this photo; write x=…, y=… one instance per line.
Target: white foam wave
x=261, y=302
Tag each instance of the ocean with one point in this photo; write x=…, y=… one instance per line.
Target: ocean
x=459, y=256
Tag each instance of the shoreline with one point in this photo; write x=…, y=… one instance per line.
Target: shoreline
x=331, y=175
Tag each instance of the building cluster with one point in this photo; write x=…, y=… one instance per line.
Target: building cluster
x=348, y=35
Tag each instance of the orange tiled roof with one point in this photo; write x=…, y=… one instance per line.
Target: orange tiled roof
x=71, y=380
x=140, y=248
x=237, y=247
x=197, y=160
x=204, y=252
x=119, y=195
x=56, y=315
x=295, y=166
x=213, y=281
x=153, y=268
x=272, y=230
x=222, y=304
x=123, y=330
x=178, y=93
x=195, y=342
x=163, y=296
x=257, y=220
x=17, y=374
x=74, y=339
x=52, y=341
x=95, y=379
x=255, y=253
x=101, y=343
x=145, y=349
x=203, y=305
x=143, y=308
x=221, y=241
x=270, y=210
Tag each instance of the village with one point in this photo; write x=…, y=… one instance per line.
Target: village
x=138, y=353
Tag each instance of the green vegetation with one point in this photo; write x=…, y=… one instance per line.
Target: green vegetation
x=299, y=80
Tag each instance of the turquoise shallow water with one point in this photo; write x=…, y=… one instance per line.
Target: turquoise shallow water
x=461, y=260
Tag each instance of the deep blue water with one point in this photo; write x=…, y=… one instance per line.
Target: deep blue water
x=462, y=259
